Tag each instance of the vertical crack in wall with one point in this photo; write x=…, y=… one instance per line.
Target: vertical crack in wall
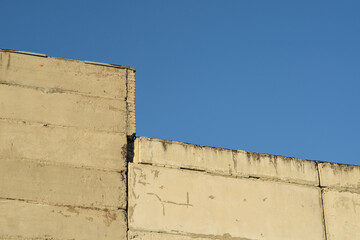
x=130, y=148
x=321, y=198
x=129, y=159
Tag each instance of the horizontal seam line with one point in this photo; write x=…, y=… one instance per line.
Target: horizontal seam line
x=62, y=205
x=59, y=91
x=47, y=162
x=229, y=175
x=46, y=124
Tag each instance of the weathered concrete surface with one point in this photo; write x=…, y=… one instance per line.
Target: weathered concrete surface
x=276, y=167
x=342, y=215
x=62, y=74
x=130, y=103
x=140, y=235
x=64, y=126
x=340, y=176
x=180, y=201
x=177, y=154
x=61, y=145
x=36, y=221
x=22, y=238
x=224, y=161
x=62, y=109
x=61, y=185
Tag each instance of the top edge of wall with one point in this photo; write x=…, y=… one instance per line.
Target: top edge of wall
x=85, y=61
x=333, y=164
x=242, y=163
x=260, y=154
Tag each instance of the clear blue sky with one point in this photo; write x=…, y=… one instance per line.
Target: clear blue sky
x=281, y=77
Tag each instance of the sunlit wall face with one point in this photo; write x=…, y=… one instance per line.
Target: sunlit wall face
x=277, y=77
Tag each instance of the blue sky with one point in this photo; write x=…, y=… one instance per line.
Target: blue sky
x=280, y=77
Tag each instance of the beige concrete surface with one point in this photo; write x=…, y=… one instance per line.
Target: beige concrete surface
x=225, y=161
x=62, y=109
x=62, y=74
x=36, y=221
x=181, y=201
x=276, y=167
x=342, y=215
x=22, y=238
x=140, y=235
x=61, y=145
x=61, y=185
x=340, y=176
x=63, y=142
x=130, y=103
x=177, y=154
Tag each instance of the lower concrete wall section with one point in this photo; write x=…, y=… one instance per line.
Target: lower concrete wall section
x=181, y=191
x=201, y=204
x=342, y=215
x=22, y=220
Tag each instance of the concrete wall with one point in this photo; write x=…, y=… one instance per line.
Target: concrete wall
x=181, y=191
x=64, y=127
x=66, y=136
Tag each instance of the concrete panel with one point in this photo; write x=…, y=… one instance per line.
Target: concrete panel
x=177, y=154
x=62, y=109
x=139, y=235
x=276, y=167
x=61, y=185
x=340, y=176
x=70, y=146
x=35, y=221
x=224, y=161
x=181, y=201
x=342, y=215
x=62, y=74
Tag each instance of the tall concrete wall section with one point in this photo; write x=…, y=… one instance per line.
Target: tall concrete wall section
x=64, y=131
x=181, y=191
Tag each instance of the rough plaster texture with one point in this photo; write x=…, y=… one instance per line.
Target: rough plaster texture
x=64, y=127
x=172, y=200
